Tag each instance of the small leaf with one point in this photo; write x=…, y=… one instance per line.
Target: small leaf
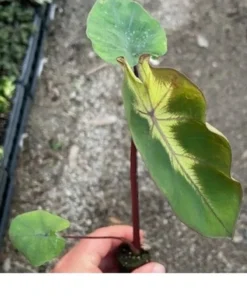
x=189, y=160
x=34, y=234
x=7, y=86
x=122, y=28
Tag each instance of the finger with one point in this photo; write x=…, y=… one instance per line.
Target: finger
x=87, y=255
x=109, y=263
x=152, y=267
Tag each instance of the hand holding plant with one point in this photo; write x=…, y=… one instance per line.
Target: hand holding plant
x=99, y=255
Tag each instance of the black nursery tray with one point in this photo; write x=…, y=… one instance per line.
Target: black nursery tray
x=21, y=104
x=31, y=50
x=3, y=182
x=12, y=122
x=26, y=67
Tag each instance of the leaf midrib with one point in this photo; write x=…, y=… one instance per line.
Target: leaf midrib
x=156, y=124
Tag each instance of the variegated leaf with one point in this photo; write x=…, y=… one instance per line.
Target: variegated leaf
x=189, y=160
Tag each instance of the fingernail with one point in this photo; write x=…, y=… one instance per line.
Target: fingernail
x=158, y=268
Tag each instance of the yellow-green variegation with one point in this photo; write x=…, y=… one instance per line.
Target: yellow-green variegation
x=189, y=160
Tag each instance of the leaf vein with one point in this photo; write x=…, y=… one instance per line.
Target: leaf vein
x=155, y=122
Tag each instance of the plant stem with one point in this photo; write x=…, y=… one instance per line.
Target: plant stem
x=122, y=239
x=134, y=196
x=134, y=191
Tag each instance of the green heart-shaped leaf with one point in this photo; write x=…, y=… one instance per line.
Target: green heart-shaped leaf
x=34, y=234
x=189, y=160
x=122, y=28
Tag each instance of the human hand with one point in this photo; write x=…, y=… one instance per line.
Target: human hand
x=97, y=256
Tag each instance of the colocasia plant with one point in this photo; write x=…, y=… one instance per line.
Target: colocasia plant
x=189, y=160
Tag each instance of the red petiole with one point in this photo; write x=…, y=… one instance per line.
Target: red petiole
x=134, y=190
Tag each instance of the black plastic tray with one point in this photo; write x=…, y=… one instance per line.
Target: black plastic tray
x=30, y=53
x=22, y=82
x=13, y=119
x=28, y=79
x=38, y=65
x=19, y=115
x=29, y=95
x=18, y=137
x=5, y=207
x=3, y=181
x=8, y=179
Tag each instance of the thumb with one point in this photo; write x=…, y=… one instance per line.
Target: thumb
x=150, y=268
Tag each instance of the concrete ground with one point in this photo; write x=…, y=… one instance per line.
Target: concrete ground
x=87, y=181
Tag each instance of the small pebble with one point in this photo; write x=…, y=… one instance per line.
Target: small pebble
x=238, y=239
x=91, y=55
x=104, y=121
x=7, y=265
x=88, y=222
x=215, y=64
x=202, y=41
x=72, y=95
x=114, y=220
x=197, y=73
x=73, y=154
x=244, y=155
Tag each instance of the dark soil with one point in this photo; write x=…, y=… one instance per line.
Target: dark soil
x=129, y=261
